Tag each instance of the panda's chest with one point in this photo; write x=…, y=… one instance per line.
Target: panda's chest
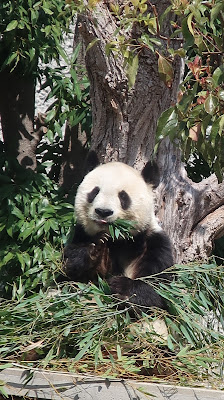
x=124, y=254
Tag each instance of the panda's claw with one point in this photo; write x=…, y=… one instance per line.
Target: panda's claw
x=105, y=237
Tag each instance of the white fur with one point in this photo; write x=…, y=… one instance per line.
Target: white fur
x=112, y=178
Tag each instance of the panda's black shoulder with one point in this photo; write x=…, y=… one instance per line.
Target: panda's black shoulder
x=159, y=250
x=157, y=238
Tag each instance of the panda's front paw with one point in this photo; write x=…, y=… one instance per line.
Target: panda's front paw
x=95, y=251
x=98, y=246
x=102, y=237
x=120, y=285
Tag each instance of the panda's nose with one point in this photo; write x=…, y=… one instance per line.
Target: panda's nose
x=103, y=212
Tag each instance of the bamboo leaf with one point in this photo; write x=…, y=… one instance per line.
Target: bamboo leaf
x=83, y=350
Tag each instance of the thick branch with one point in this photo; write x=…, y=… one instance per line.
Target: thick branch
x=202, y=238
x=186, y=208
x=210, y=196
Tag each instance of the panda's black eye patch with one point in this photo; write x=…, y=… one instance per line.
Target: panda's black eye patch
x=91, y=195
x=124, y=199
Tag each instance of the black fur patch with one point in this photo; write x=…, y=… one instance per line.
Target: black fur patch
x=124, y=199
x=91, y=162
x=150, y=174
x=91, y=195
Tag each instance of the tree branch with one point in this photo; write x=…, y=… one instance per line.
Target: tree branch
x=204, y=234
x=210, y=196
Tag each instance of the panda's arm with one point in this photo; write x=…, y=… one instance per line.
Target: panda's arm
x=86, y=257
x=136, y=291
x=156, y=257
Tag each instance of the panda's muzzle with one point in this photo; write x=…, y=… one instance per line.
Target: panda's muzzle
x=103, y=214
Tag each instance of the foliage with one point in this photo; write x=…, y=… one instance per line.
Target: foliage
x=68, y=91
x=34, y=222
x=140, y=29
x=83, y=328
x=70, y=95
x=32, y=30
x=122, y=228
x=197, y=168
x=33, y=34
x=196, y=122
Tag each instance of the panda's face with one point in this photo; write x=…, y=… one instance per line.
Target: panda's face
x=114, y=191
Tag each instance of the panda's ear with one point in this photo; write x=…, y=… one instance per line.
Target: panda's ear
x=150, y=173
x=92, y=162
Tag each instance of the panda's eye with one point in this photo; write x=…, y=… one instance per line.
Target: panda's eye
x=91, y=195
x=124, y=199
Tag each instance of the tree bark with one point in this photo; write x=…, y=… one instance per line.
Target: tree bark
x=124, y=125
x=17, y=101
x=124, y=121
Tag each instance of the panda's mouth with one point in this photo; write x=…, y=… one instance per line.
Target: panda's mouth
x=101, y=222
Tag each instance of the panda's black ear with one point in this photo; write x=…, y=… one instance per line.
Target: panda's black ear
x=92, y=162
x=150, y=173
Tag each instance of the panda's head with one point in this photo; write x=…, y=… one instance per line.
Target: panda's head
x=116, y=191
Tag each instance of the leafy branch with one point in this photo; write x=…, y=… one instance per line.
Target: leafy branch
x=122, y=228
x=53, y=329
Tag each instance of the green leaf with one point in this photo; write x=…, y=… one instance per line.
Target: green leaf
x=34, y=16
x=132, y=71
x=11, y=57
x=3, y=390
x=50, y=115
x=21, y=261
x=27, y=232
x=170, y=343
x=216, y=8
x=4, y=366
x=189, y=38
x=189, y=23
x=221, y=95
x=67, y=330
x=47, y=11
x=12, y=25
x=210, y=104
x=111, y=231
x=27, y=259
x=83, y=350
x=15, y=211
x=8, y=257
x=165, y=69
x=119, y=353
x=186, y=334
x=218, y=76
x=167, y=124
x=91, y=44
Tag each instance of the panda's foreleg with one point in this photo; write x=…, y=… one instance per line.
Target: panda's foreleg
x=86, y=257
x=153, y=258
x=136, y=292
x=77, y=263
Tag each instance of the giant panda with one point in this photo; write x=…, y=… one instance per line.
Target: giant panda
x=109, y=192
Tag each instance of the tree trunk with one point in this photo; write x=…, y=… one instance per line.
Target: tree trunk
x=124, y=125
x=17, y=102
